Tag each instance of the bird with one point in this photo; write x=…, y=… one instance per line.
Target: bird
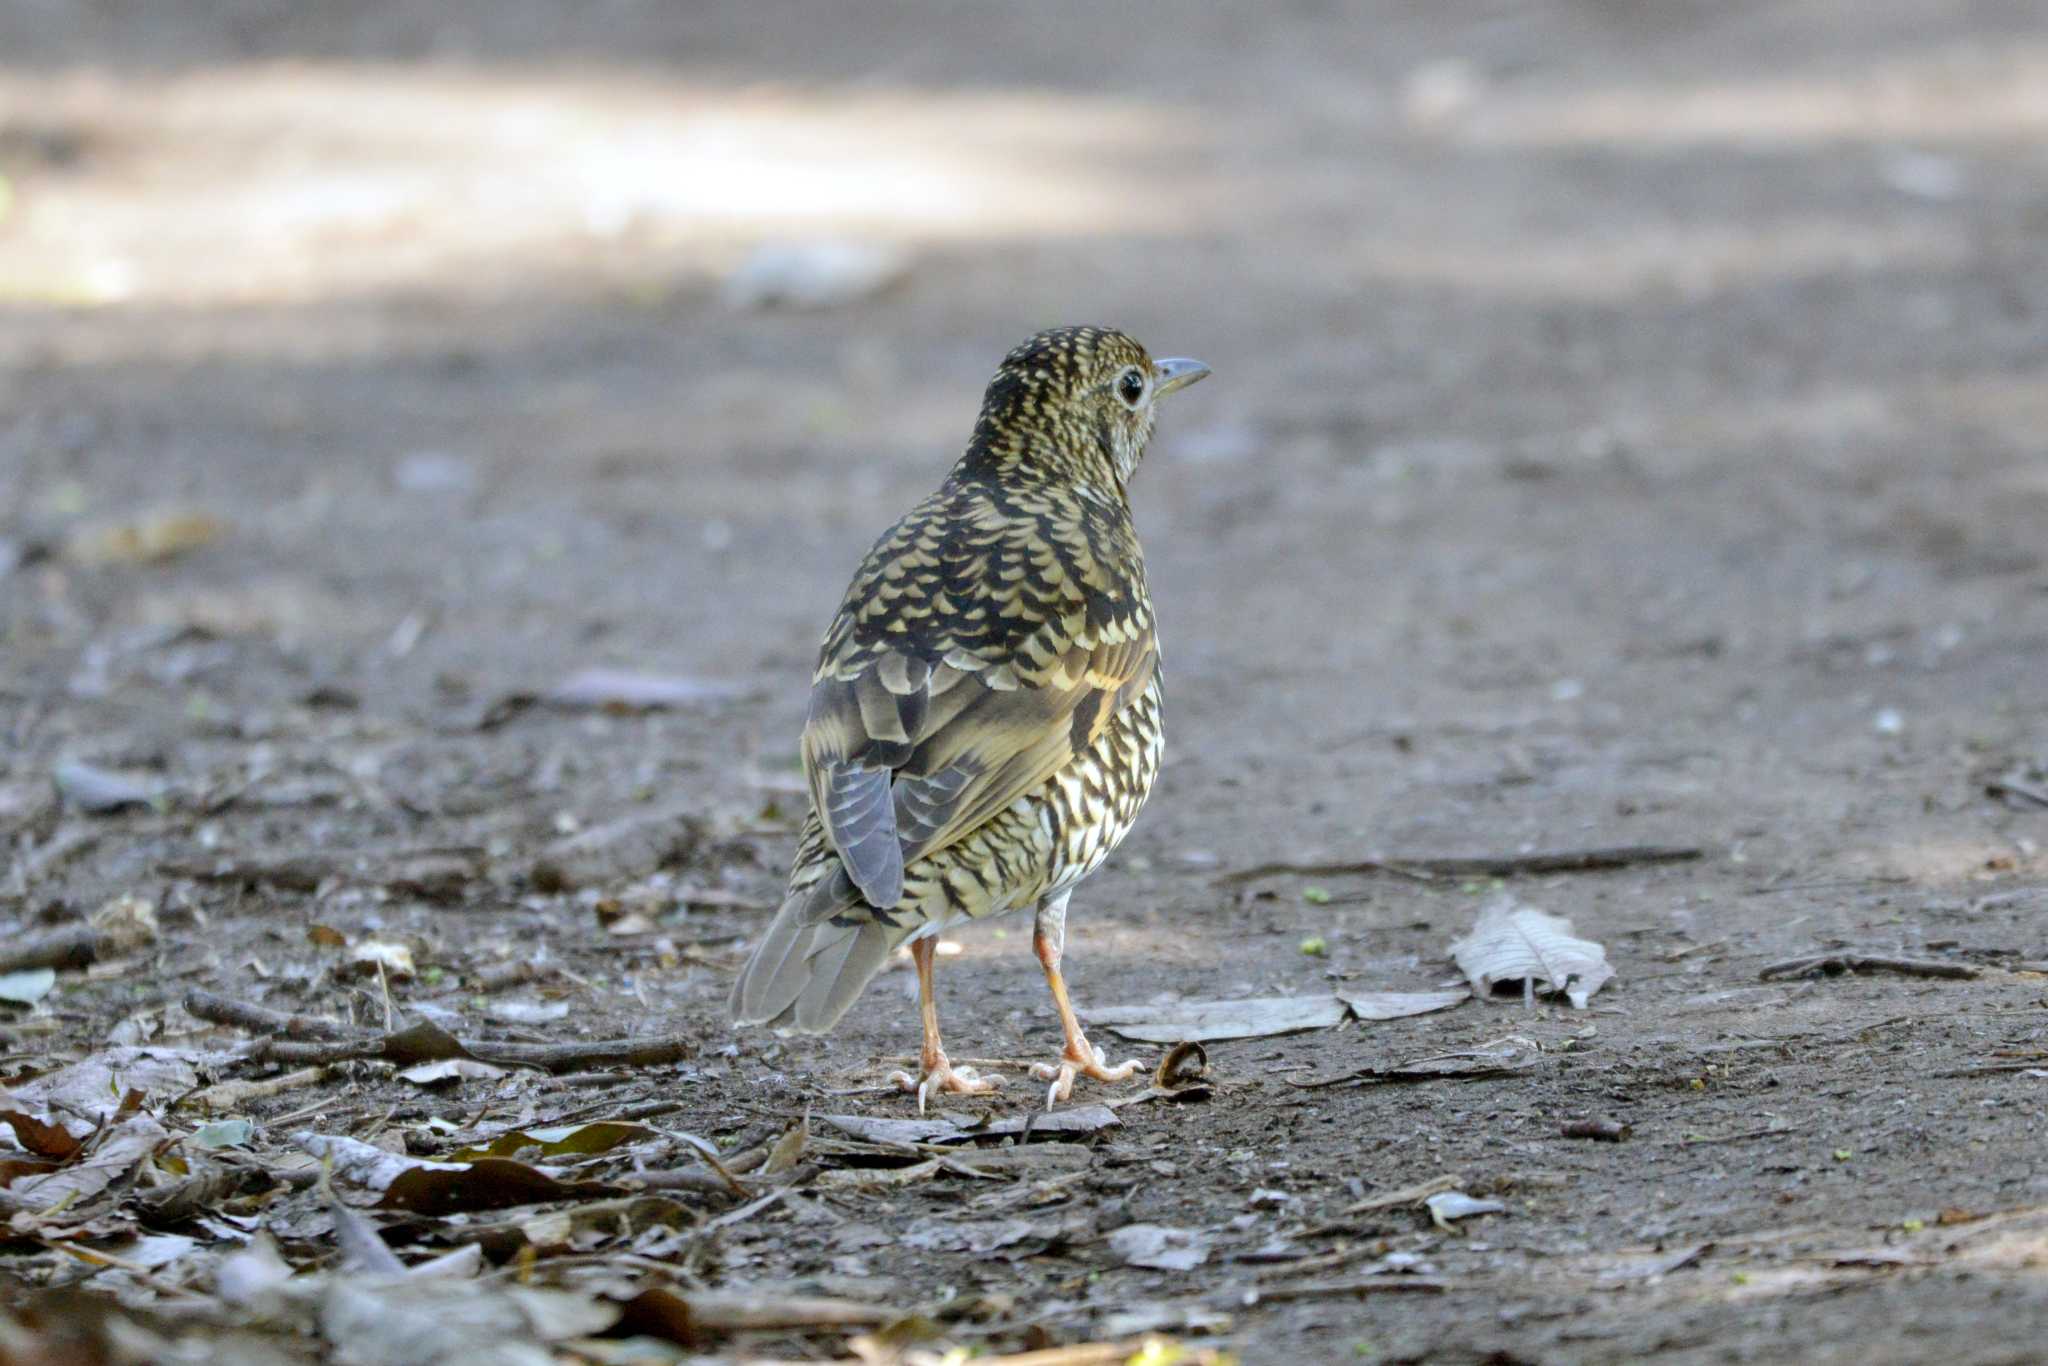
x=985, y=715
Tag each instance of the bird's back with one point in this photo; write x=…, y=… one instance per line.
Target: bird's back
x=992, y=676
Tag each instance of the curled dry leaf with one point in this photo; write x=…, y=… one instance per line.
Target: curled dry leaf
x=1185, y=1064
x=1447, y=1206
x=395, y=959
x=1516, y=943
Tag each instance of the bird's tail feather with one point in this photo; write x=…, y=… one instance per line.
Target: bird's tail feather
x=809, y=969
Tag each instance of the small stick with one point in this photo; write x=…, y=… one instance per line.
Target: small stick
x=1363, y=1285
x=205, y=1005
x=1833, y=964
x=2010, y=786
x=1492, y=865
x=232, y=1095
x=1605, y=1130
x=70, y=946
x=404, y=1044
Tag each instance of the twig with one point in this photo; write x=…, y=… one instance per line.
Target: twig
x=1362, y=1285
x=425, y=1042
x=1605, y=1130
x=205, y=1005
x=1833, y=964
x=70, y=946
x=233, y=1095
x=2011, y=786
x=1494, y=865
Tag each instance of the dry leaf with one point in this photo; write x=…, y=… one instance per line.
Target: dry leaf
x=28, y=986
x=1517, y=943
x=1449, y=1205
x=1156, y=1245
x=1396, y=1005
x=450, y=1070
x=1204, y=1021
x=569, y=1140
x=396, y=959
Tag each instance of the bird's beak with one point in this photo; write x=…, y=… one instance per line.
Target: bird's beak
x=1177, y=373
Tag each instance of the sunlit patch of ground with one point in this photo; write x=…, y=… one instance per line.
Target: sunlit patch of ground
x=303, y=181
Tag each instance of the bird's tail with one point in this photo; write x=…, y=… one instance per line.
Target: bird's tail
x=816, y=958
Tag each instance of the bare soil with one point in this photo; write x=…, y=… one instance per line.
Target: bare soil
x=1629, y=426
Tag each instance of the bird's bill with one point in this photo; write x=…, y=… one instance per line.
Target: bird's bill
x=1177, y=373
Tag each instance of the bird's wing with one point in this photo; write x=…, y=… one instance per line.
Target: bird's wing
x=907, y=757
x=987, y=639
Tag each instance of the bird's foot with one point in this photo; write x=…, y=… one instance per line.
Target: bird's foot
x=941, y=1076
x=1081, y=1059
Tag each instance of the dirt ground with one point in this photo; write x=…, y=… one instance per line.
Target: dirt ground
x=1629, y=426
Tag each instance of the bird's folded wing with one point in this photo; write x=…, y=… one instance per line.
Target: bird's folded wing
x=954, y=742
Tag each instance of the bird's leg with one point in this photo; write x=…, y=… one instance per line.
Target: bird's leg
x=935, y=1073
x=1049, y=939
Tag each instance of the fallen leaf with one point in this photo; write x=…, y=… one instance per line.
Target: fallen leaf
x=1206, y=1021
x=1157, y=1245
x=28, y=986
x=436, y=1188
x=102, y=791
x=119, y=1151
x=96, y=1087
x=396, y=959
x=448, y=1070
x=1516, y=943
x=569, y=1140
x=42, y=1137
x=527, y=1012
x=1446, y=1206
x=224, y=1133
x=1396, y=1005
x=946, y=1234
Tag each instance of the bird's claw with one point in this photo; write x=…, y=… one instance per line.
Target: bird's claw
x=945, y=1077
x=1074, y=1064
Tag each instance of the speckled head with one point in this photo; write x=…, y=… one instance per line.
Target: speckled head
x=1075, y=403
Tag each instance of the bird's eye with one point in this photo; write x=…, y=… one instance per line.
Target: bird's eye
x=1130, y=386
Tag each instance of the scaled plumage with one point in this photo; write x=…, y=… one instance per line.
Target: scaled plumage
x=985, y=715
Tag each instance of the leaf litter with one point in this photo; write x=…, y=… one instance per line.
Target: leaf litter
x=1513, y=942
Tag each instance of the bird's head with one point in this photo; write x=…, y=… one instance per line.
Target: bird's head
x=1076, y=403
